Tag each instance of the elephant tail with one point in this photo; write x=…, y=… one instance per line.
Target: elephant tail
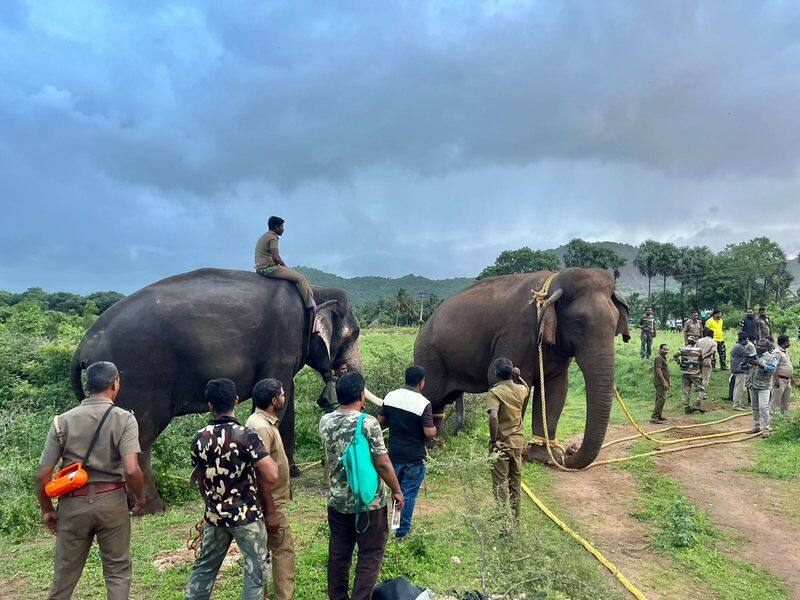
x=76, y=367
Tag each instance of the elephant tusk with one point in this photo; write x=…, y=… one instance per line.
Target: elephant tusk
x=373, y=398
x=552, y=298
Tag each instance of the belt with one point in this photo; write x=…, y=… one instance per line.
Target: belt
x=99, y=488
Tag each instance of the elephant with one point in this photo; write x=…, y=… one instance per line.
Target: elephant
x=169, y=338
x=495, y=318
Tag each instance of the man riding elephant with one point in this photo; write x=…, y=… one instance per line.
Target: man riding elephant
x=171, y=337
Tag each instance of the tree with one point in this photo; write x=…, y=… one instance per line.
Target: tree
x=580, y=253
x=645, y=261
x=523, y=260
x=748, y=263
x=104, y=300
x=403, y=306
x=666, y=263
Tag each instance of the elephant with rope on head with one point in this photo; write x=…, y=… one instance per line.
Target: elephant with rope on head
x=169, y=338
x=496, y=317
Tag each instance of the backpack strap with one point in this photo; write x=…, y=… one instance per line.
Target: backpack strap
x=96, y=435
x=57, y=428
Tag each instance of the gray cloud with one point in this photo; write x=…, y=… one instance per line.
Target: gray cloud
x=142, y=139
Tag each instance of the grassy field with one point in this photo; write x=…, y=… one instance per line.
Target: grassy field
x=457, y=543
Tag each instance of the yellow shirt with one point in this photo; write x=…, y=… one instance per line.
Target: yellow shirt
x=508, y=399
x=715, y=325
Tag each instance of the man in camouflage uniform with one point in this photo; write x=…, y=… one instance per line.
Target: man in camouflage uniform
x=234, y=472
x=689, y=358
x=647, y=325
x=100, y=508
x=368, y=529
x=692, y=327
x=269, y=400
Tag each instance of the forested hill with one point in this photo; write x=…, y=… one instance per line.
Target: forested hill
x=363, y=290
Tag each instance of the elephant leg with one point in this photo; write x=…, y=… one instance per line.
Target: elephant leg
x=147, y=438
x=556, y=395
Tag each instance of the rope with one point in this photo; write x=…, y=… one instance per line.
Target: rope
x=594, y=551
x=539, y=298
x=674, y=427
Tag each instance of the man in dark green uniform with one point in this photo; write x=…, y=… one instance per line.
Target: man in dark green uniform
x=505, y=402
x=270, y=264
x=327, y=400
x=647, y=325
x=100, y=508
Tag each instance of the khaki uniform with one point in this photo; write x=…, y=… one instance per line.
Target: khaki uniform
x=508, y=399
x=660, y=382
x=104, y=515
x=708, y=347
x=692, y=329
x=689, y=358
x=764, y=327
x=782, y=388
x=280, y=544
x=266, y=266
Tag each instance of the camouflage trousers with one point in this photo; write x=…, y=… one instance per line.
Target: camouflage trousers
x=687, y=383
x=252, y=542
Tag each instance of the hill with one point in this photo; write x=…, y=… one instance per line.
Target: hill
x=630, y=279
x=363, y=290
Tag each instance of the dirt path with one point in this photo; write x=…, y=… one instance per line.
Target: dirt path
x=747, y=507
x=600, y=504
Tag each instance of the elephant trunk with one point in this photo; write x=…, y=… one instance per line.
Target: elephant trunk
x=353, y=357
x=598, y=373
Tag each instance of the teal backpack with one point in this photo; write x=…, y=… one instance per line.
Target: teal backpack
x=361, y=474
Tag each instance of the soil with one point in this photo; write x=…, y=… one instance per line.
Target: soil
x=750, y=509
x=182, y=556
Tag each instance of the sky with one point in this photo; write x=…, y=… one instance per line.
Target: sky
x=144, y=139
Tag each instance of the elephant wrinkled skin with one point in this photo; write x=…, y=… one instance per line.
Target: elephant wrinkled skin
x=495, y=318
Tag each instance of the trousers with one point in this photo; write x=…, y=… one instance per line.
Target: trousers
x=705, y=375
x=82, y=519
x=371, y=546
x=689, y=382
x=410, y=476
x=280, y=272
x=739, y=390
x=760, y=401
x=723, y=354
x=281, y=548
x=661, y=397
x=252, y=542
x=506, y=477
x=647, y=345
x=781, y=396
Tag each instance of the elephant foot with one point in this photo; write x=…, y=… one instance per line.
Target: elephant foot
x=536, y=453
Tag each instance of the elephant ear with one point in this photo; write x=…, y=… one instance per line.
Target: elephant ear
x=322, y=332
x=548, y=321
x=624, y=310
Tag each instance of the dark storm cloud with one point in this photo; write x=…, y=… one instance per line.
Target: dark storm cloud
x=142, y=139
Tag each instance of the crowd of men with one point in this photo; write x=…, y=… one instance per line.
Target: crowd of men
x=242, y=474
x=761, y=368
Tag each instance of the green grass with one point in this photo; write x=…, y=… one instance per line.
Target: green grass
x=779, y=457
x=455, y=511
x=688, y=537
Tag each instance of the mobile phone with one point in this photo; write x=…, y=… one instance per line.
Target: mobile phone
x=395, y=523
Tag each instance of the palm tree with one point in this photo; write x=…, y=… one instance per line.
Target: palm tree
x=402, y=305
x=666, y=264
x=645, y=261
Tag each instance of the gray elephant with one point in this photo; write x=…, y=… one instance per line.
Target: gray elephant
x=495, y=318
x=169, y=338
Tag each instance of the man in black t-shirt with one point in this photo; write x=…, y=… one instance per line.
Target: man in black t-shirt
x=409, y=416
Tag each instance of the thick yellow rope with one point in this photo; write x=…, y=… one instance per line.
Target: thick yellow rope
x=594, y=551
x=673, y=428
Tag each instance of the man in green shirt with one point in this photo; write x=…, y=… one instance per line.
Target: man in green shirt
x=268, y=261
x=327, y=400
x=505, y=403
x=647, y=325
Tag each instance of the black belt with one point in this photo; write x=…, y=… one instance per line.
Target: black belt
x=99, y=488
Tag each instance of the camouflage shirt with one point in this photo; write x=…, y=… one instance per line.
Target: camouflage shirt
x=336, y=430
x=648, y=325
x=227, y=452
x=689, y=358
